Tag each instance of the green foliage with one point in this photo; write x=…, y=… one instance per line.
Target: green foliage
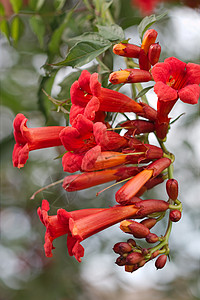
x=112, y=32
x=16, y=5
x=147, y=22
x=83, y=52
x=38, y=27
x=17, y=28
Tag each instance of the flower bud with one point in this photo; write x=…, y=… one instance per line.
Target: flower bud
x=131, y=268
x=172, y=188
x=141, y=263
x=134, y=258
x=137, y=229
x=150, y=206
x=149, y=38
x=151, y=238
x=175, y=215
x=154, y=53
x=122, y=248
x=144, y=63
x=120, y=261
x=149, y=223
x=129, y=76
x=161, y=261
x=126, y=50
x=132, y=242
x=154, y=254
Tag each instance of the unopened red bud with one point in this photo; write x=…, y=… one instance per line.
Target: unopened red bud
x=139, y=126
x=122, y=248
x=120, y=261
x=175, y=215
x=141, y=263
x=159, y=165
x=132, y=242
x=134, y=258
x=131, y=268
x=161, y=261
x=154, y=53
x=137, y=229
x=126, y=50
x=149, y=38
x=149, y=223
x=172, y=188
x=145, y=251
x=154, y=254
x=152, y=238
x=150, y=206
x=144, y=62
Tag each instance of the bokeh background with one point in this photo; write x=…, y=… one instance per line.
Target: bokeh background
x=25, y=272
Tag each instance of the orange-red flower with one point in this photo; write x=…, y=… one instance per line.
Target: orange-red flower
x=80, y=224
x=174, y=79
x=89, y=98
x=28, y=139
x=85, y=137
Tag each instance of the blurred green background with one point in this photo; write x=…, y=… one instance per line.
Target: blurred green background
x=25, y=272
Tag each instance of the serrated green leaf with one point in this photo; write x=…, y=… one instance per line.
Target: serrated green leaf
x=84, y=52
x=17, y=28
x=2, y=10
x=143, y=92
x=16, y=5
x=112, y=32
x=38, y=28
x=58, y=4
x=147, y=22
x=4, y=28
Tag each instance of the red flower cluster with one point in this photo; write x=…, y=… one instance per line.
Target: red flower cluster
x=100, y=154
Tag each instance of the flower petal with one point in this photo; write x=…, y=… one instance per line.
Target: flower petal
x=90, y=158
x=190, y=94
x=71, y=162
x=165, y=92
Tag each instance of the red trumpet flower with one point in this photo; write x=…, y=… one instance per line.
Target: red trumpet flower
x=80, y=224
x=89, y=98
x=84, y=137
x=28, y=139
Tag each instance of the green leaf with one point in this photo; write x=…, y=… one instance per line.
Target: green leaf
x=112, y=32
x=4, y=28
x=38, y=28
x=2, y=10
x=54, y=43
x=17, y=28
x=87, y=37
x=58, y=4
x=143, y=92
x=16, y=5
x=36, y=4
x=147, y=22
x=83, y=52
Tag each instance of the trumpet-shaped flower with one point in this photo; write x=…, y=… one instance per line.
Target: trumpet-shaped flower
x=80, y=224
x=28, y=139
x=88, y=97
x=85, y=136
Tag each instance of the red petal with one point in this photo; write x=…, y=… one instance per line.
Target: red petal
x=193, y=73
x=71, y=162
x=90, y=158
x=165, y=92
x=84, y=81
x=75, y=110
x=95, y=85
x=91, y=108
x=190, y=94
